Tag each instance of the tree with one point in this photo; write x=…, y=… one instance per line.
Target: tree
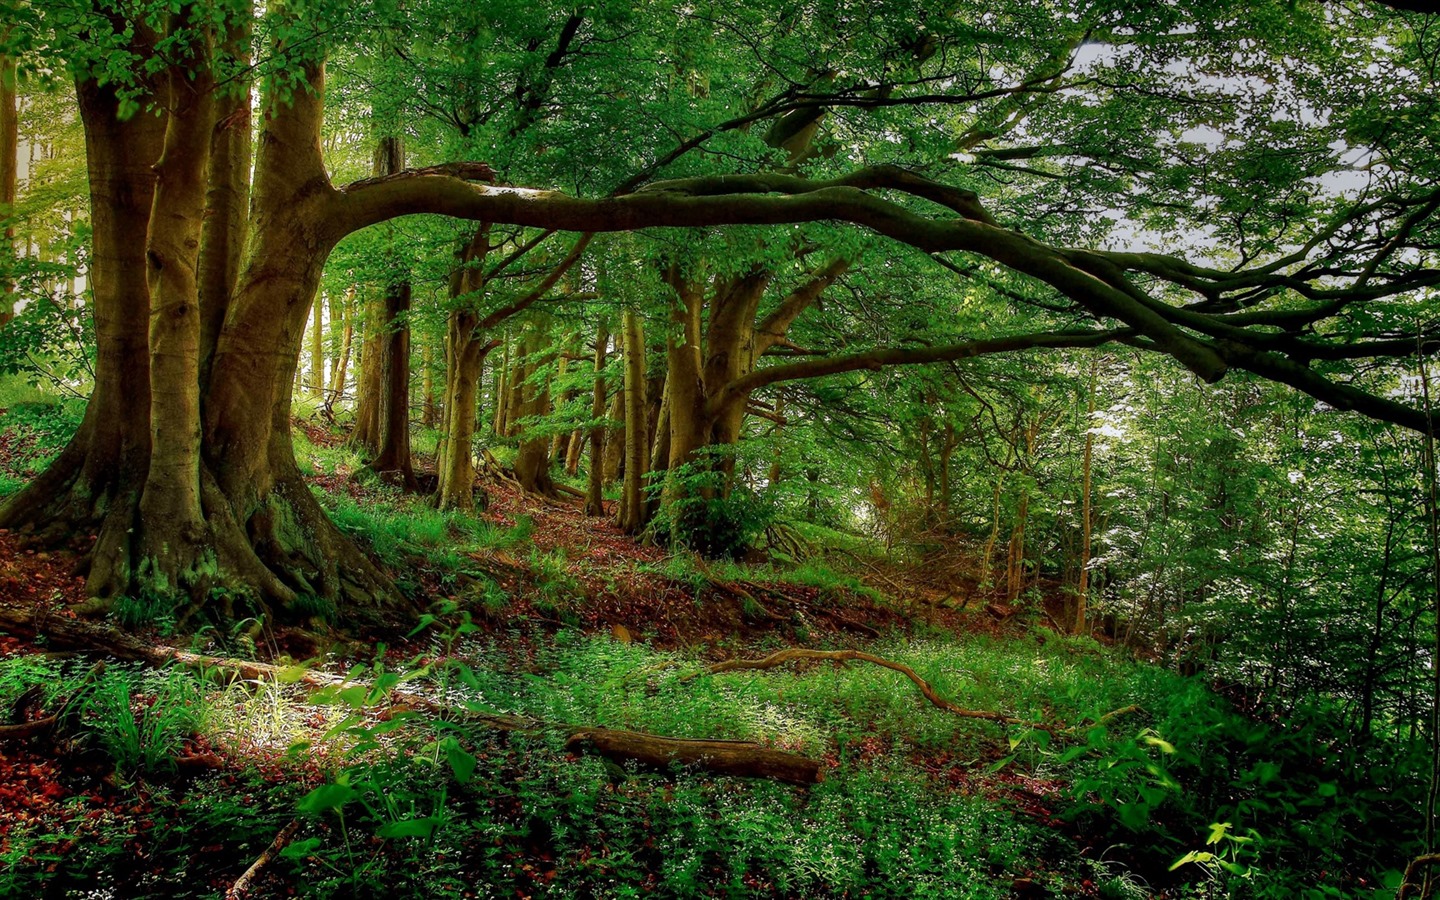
x=195, y=489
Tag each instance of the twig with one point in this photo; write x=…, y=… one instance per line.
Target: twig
x=1424, y=861
x=242, y=884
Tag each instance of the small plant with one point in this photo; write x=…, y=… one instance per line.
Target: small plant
x=142, y=722
x=709, y=516
x=1225, y=852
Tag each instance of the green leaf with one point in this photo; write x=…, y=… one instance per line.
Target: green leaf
x=461, y=762
x=326, y=797
x=409, y=828
x=1000, y=764
x=300, y=849
x=1194, y=856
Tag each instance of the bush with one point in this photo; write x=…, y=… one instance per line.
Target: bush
x=703, y=517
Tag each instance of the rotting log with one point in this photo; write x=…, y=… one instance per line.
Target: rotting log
x=739, y=758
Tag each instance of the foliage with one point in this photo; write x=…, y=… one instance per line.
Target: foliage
x=705, y=517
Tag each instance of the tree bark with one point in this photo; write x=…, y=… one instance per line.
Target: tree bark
x=365, y=435
x=532, y=462
x=9, y=172
x=595, y=477
x=393, y=460
x=175, y=536
x=96, y=481
x=464, y=362
x=632, y=506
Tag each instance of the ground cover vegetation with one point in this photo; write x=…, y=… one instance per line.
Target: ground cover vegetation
x=765, y=449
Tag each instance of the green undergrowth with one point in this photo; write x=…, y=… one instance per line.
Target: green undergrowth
x=916, y=801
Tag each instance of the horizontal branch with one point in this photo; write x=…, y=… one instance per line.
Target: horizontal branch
x=907, y=356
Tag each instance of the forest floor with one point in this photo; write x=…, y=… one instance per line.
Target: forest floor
x=494, y=753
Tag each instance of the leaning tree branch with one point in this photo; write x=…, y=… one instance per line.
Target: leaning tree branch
x=1094, y=280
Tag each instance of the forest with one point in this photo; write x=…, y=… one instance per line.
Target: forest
x=775, y=449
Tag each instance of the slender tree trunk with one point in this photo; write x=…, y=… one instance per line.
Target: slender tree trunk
x=532, y=462
x=574, y=445
x=632, y=506
x=595, y=481
x=464, y=363
x=9, y=171
x=1082, y=588
x=502, y=392
x=393, y=457
x=614, y=466
x=366, y=433
x=559, y=447
x=429, y=410
x=342, y=310
x=317, y=352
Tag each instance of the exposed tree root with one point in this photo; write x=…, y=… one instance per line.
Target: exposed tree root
x=797, y=654
x=740, y=758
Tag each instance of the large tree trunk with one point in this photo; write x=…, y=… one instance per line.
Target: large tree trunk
x=279, y=543
x=175, y=536
x=97, y=480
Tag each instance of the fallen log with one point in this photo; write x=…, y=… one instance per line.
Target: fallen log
x=740, y=758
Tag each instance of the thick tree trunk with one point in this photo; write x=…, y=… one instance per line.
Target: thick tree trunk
x=96, y=481
x=595, y=480
x=275, y=542
x=174, y=534
x=632, y=517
